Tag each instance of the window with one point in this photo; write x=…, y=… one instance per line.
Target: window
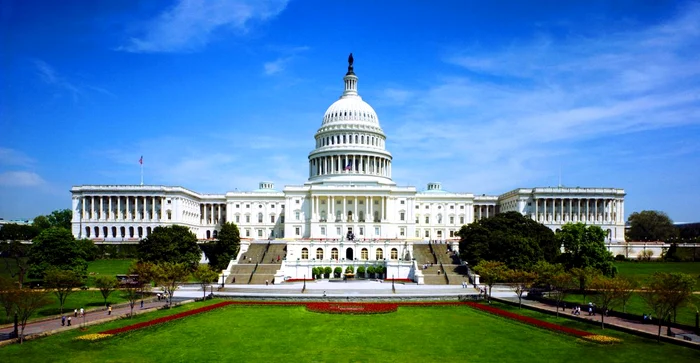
x=461, y=220
x=169, y=216
x=452, y=207
x=247, y=205
x=427, y=207
x=272, y=219
x=247, y=219
x=319, y=253
x=260, y=206
x=297, y=201
x=394, y=254
x=403, y=202
x=461, y=207
x=402, y=232
x=417, y=207
x=304, y=253
x=260, y=217
x=238, y=219
x=427, y=219
x=260, y=233
x=417, y=233
x=282, y=219
x=380, y=254
x=439, y=218
x=247, y=233
x=452, y=233
x=362, y=231
x=376, y=231
x=297, y=231
x=439, y=207
x=417, y=220
x=402, y=216
x=452, y=220
x=364, y=254
x=427, y=233
x=323, y=231
x=337, y=231
x=297, y=215
x=334, y=254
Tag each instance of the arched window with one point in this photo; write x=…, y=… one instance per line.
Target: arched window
x=97, y=232
x=123, y=231
x=131, y=232
x=334, y=254
x=148, y=231
x=380, y=254
x=394, y=254
x=114, y=232
x=208, y=234
x=439, y=218
x=364, y=254
x=140, y=232
x=87, y=232
x=304, y=253
x=319, y=253
x=260, y=217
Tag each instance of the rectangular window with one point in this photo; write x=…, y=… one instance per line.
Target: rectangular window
x=452, y=207
x=247, y=219
x=272, y=219
x=238, y=219
x=297, y=201
x=417, y=220
x=362, y=231
x=247, y=205
x=403, y=202
x=337, y=231
x=282, y=219
x=452, y=233
x=427, y=220
x=461, y=220
x=323, y=231
x=402, y=215
x=417, y=233
x=402, y=232
x=297, y=215
x=376, y=231
x=427, y=233
x=238, y=206
x=461, y=207
x=260, y=233
x=247, y=233
x=452, y=220
x=297, y=231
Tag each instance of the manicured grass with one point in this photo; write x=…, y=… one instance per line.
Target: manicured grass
x=636, y=305
x=641, y=271
x=107, y=267
x=87, y=299
x=291, y=334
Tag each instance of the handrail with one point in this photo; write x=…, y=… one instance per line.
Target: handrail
x=444, y=273
x=252, y=273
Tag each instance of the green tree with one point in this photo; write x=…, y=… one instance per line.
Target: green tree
x=665, y=292
x=88, y=248
x=650, y=225
x=371, y=272
x=520, y=281
x=107, y=284
x=327, y=272
x=361, y=271
x=18, y=232
x=61, y=218
x=41, y=223
x=511, y=238
x=168, y=275
x=627, y=287
x=337, y=271
x=561, y=283
x=205, y=275
x=138, y=282
x=175, y=244
x=55, y=247
x=490, y=272
x=546, y=271
x=225, y=248
x=584, y=276
x=7, y=295
x=608, y=293
x=63, y=283
x=26, y=303
x=584, y=246
x=15, y=252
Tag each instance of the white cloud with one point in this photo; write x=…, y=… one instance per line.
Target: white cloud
x=190, y=24
x=15, y=157
x=49, y=75
x=21, y=179
x=523, y=109
x=280, y=64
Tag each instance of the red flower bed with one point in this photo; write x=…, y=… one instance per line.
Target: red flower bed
x=529, y=320
x=351, y=308
x=398, y=280
x=165, y=318
x=298, y=280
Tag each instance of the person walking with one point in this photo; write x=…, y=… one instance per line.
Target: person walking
x=82, y=312
x=109, y=310
x=69, y=320
x=75, y=313
x=63, y=320
x=141, y=304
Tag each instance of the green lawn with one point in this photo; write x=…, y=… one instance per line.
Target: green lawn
x=107, y=267
x=86, y=299
x=643, y=270
x=291, y=334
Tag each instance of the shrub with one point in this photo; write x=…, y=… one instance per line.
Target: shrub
x=337, y=271
x=361, y=271
x=620, y=258
x=327, y=272
x=371, y=271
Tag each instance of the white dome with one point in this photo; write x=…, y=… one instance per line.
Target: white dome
x=350, y=109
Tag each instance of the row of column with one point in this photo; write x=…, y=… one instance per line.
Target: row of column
x=484, y=211
x=355, y=139
x=103, y=208
x=368, y=209
x=349, y=164
x=212, y=213
x=601, y=210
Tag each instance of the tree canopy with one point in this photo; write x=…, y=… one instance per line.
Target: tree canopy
x=58, y=218
x=650, y=225
x=175, y=244
x=225, y=248
x=18, y=232
x=55, y=247
x=584, y=246
x=511, y=238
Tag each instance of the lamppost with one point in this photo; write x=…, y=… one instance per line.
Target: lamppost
x=393, y=288
x=303, y=289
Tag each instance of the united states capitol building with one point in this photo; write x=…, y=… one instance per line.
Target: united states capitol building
x=349, y=209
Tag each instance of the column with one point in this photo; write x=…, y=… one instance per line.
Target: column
x=355, y=215
x=345, y=211
x=537, y=218
x=83, y=201
x=561, y=210
x=110, y=215
x=153, y=208
x=92, y=207
x=102, y=208
x=353, y=169
x=544, y=201
x=371, y=210
x=331, y=208
x=595, y=210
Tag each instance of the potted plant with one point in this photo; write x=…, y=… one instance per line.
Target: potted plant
x=337, y=271
x=327, y=272
x=371, y=272
x=361, y=271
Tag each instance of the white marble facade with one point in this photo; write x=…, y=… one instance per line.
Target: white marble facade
x=349, y=189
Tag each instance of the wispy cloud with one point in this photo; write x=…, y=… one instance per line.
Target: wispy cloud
x=191, y=24
x=62, y=84
x=519, y=111
x=15, y=157
x=280, y=64
x=21, y=179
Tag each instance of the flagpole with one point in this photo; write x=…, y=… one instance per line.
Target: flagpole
x=141, y=173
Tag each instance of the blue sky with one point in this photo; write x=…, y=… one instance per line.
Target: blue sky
x=218, y=95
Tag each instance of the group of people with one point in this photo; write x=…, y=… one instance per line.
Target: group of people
x=67, y=320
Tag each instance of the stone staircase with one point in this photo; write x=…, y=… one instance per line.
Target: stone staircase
x=259, y=263
x=243, y=271
x=264, y=272
x=456, y=273
x=423, y=255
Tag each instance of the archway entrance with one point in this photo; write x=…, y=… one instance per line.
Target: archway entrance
x=348, y=254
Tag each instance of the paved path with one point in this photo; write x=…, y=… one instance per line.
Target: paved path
x=609, y=320
x=90, y=316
